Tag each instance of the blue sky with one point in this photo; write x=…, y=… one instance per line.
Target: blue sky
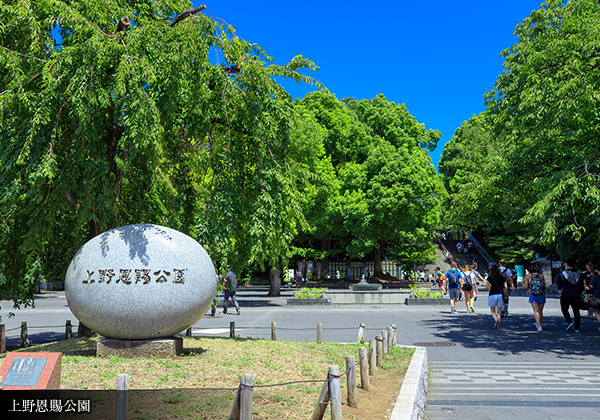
x=437, y=57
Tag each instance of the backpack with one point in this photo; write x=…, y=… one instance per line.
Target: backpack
x=536, y=286
x=469, y=278
x=453, y=277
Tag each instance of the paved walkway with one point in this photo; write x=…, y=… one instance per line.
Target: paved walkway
x=476, y=372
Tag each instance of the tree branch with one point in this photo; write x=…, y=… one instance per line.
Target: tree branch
x=187, y=14
x=70, y=197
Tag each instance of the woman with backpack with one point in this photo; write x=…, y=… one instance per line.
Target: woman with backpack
x=496, y=284
x=469, y=287
x=535, y=284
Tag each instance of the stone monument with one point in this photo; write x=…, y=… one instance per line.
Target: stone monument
x=140, y=282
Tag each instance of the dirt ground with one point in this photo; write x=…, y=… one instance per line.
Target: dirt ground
x=203, y=382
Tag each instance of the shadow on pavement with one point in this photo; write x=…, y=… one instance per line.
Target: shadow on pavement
x=517, y=334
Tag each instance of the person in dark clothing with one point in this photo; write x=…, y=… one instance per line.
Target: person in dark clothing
x=230, y=283
x=496, y=284
x=570, y=283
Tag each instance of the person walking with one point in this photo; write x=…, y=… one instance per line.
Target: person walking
x=230, y=283
x=535, y=284
x=587, y=278
x=508, y=277
x=469, y=288
x=571, y=285
x=453, y=286
x=594, y=287
x=496, y=284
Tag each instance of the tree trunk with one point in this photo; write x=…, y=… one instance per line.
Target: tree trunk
x=325, y=245
x=275, y=278
x=378, y=271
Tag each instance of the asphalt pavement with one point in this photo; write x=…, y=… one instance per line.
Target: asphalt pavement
x=475, y=371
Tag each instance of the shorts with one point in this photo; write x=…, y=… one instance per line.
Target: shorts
x=467, y=288
x=537, y=299
x=496, y=300
x=453, y=293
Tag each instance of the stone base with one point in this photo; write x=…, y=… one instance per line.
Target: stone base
x=159, y=347
x=308, y=301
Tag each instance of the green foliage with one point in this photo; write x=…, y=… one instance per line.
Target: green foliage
x=103, y=127
x=420, y=292
x=526, y=173
x=310, y=293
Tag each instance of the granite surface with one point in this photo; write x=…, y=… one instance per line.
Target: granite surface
x=139, y=282
x=155, y=347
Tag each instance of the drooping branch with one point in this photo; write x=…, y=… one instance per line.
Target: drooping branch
x=187, y=14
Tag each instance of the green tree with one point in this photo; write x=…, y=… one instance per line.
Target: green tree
x=545, y=106
x=402, y=193
x=112, y=113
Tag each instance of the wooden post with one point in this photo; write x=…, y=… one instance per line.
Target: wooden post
x=335, y=393
x=351, y=381
x=379, y=345
x=235, y=410
x=273, y=331
x=384, y=342
x=188, y=332
x=394, y=338
x=68, y=330
x=361, y=334
x=232, y=329
x=372, y=357
x=321, y=407
x=319, y=332
x=2, y=338
x=364, y=368
x=246, y=396
x=24, y=335
x=390, y=334
x=122, y=396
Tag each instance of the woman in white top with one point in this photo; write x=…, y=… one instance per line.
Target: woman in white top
x=469, y=287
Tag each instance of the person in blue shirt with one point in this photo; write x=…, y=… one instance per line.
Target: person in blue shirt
x=454, y=282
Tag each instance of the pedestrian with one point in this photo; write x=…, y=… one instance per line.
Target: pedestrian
x=213, y=308
x=438, y=279
x=230, y=283
x=507, y=274
x=337, y=275
x=444, y=236
x=422, y=276
x=496, y=284
x=475, y=262
x=459, y=247
x=535, y=284
x=595, y=288
x=469, y=288
x=587, y=278
x=571, y=285
x=453, y=286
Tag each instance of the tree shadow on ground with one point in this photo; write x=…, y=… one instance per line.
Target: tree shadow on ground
x=517, y=334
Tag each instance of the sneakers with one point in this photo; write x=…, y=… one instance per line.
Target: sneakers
x=452, y=309
x=539, y=329
x=238, y=311
x=571, y=325
x=472, y=310
x=576, y=331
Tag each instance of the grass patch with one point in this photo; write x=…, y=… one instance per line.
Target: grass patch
x=171, y=385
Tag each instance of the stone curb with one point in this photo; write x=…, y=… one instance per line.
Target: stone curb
x=427, y=301
x=412, y=401
x=308, y=301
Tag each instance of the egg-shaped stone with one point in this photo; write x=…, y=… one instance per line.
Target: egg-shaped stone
x=140, y=281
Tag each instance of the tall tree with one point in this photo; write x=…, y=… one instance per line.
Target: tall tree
x=112, y=113
x=545, y=105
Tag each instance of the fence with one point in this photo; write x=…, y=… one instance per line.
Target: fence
x=481, y=250
x=369, y=361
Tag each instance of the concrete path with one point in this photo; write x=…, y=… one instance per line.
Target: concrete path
x=476, y=372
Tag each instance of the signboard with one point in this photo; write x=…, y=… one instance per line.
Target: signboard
x=31, y=371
